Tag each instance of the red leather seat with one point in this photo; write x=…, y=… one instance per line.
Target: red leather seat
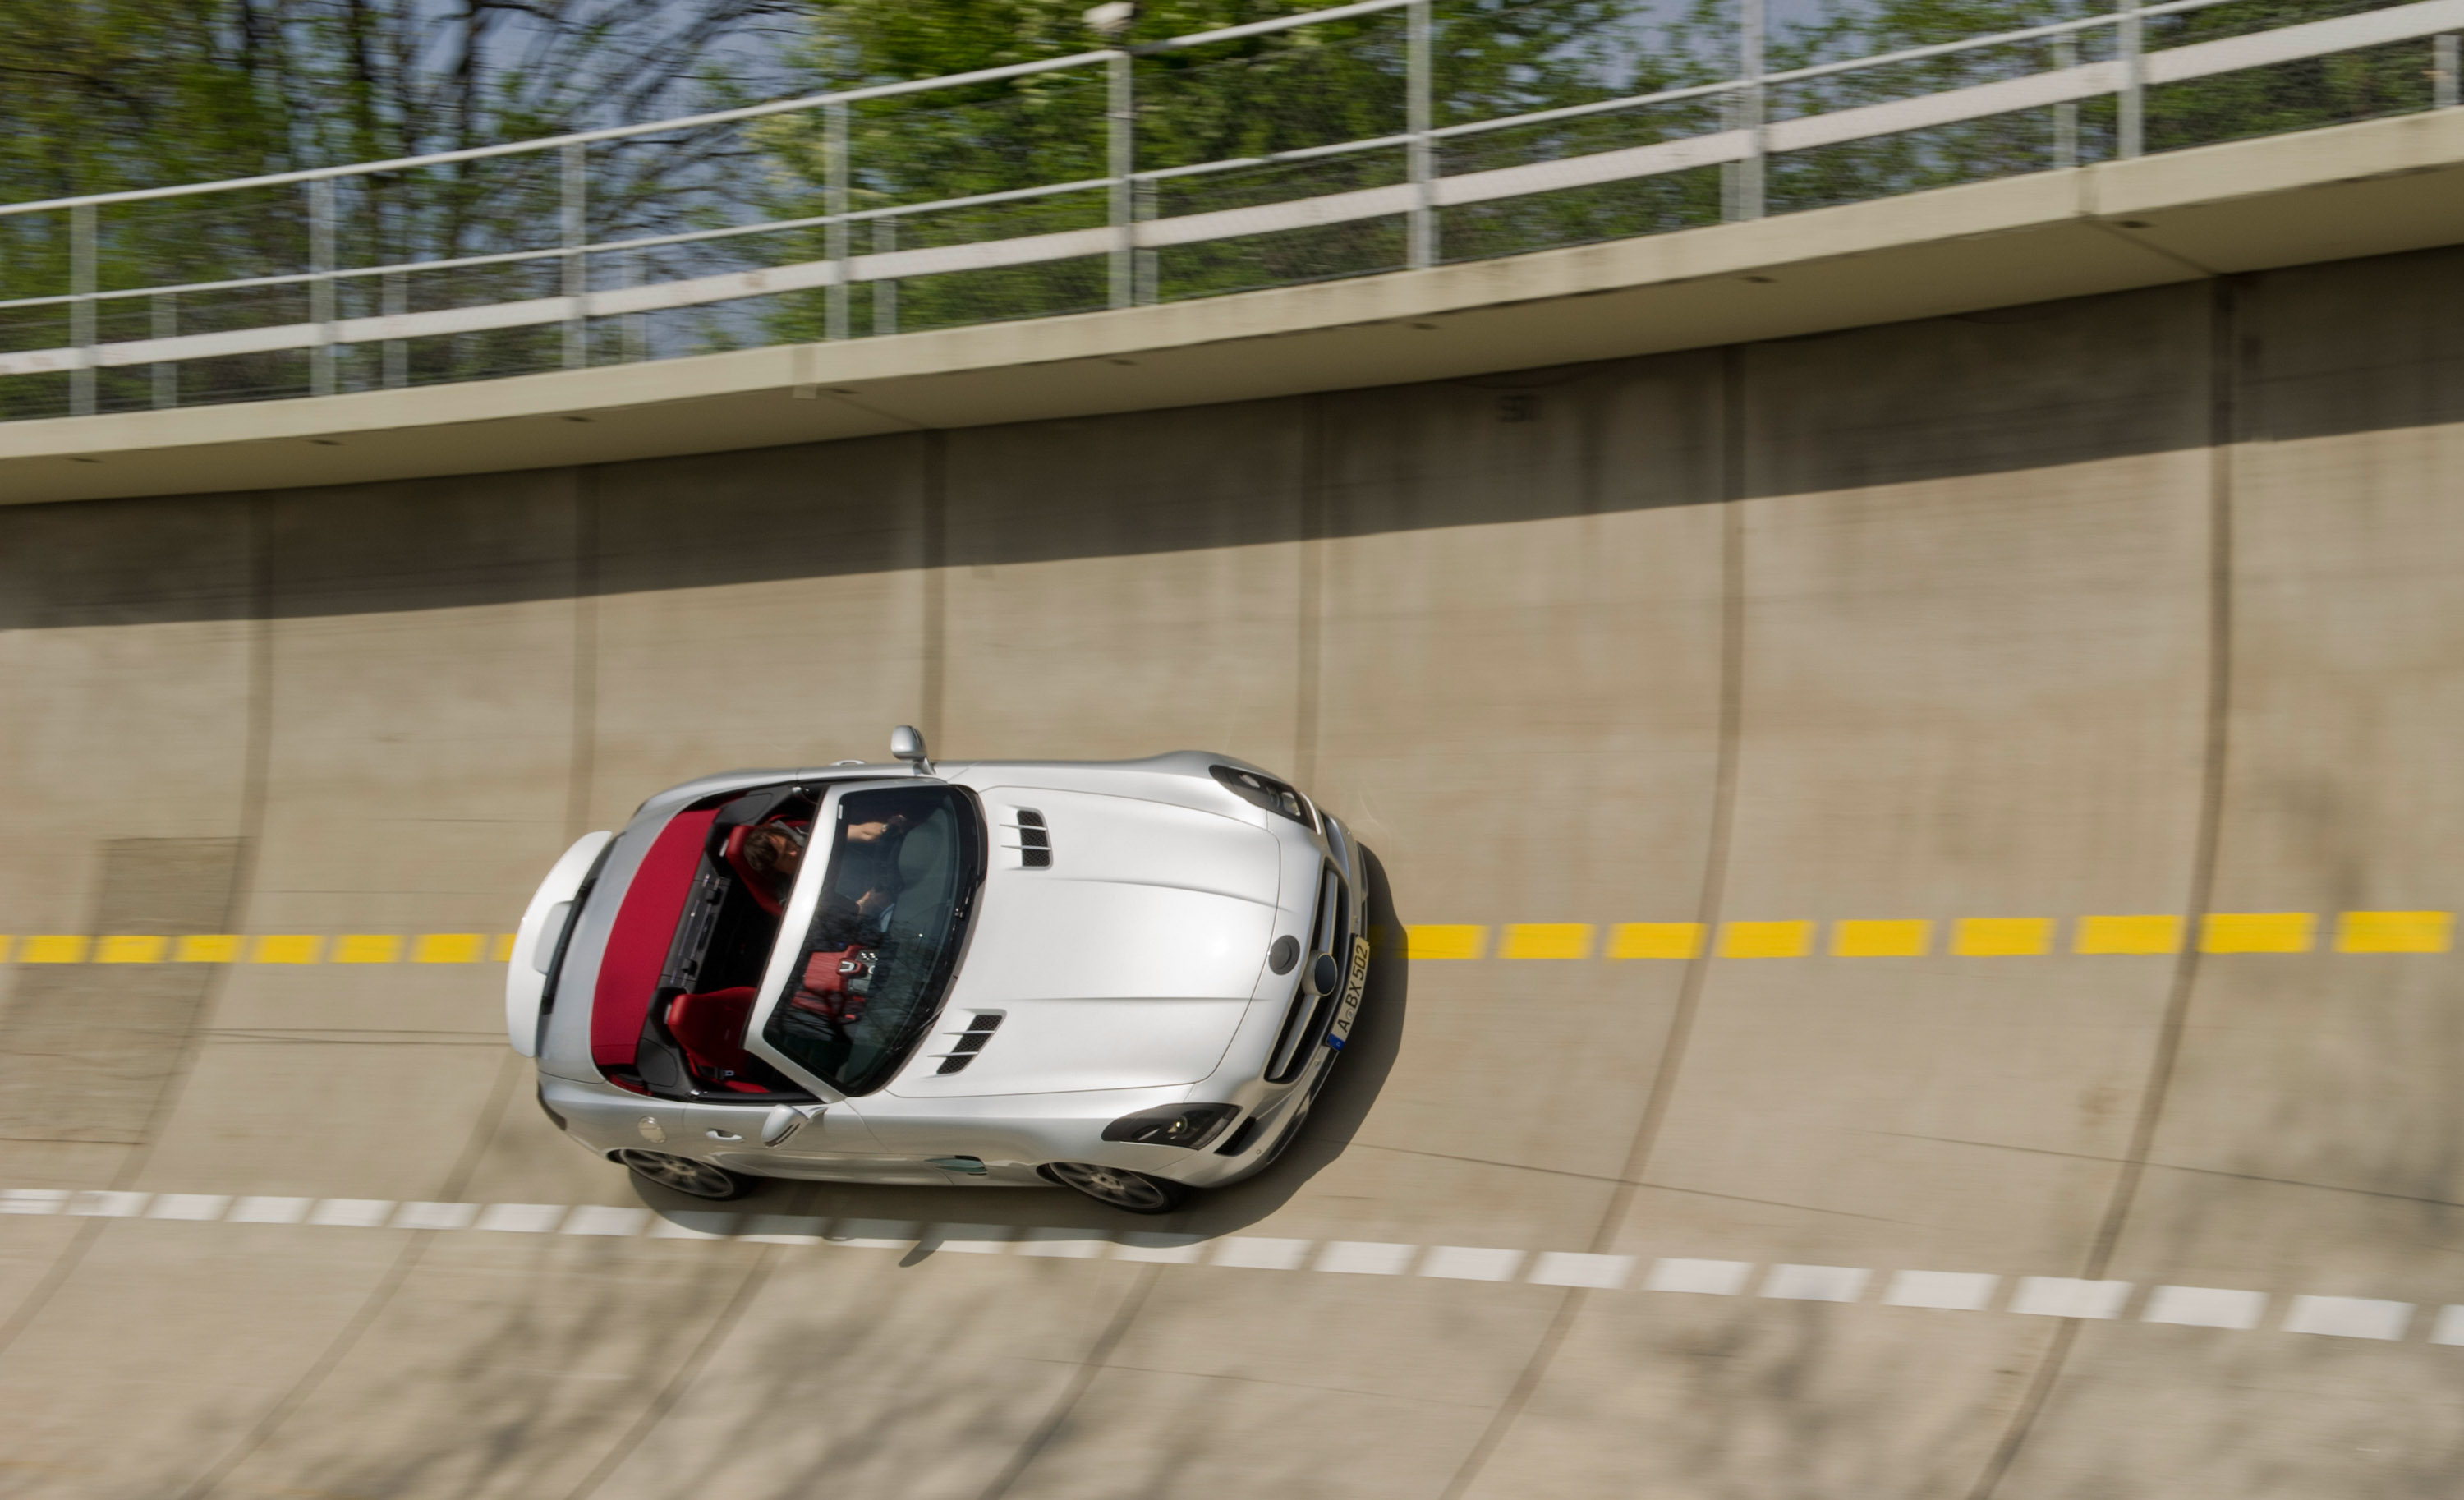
x=756, y=884
x=709, y=1027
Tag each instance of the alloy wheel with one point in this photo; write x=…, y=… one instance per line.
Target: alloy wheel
x=684, y=1174
x=1132, y=1191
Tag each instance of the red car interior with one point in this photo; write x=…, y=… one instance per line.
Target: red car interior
x=709, y=1027
x=755, y=885
x=637, y=944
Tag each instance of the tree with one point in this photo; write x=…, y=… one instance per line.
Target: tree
x=107, y=94
x=1305, y=87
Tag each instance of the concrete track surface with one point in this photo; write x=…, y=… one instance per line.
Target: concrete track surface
x=2144, y=604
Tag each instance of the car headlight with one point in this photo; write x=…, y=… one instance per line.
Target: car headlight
x=1264, y=791
x=1190, y=1125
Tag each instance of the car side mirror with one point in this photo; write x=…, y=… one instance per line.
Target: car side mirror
x=783, y=1119
x=908, y=745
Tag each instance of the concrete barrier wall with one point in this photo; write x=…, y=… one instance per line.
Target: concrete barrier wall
x=1891, y=660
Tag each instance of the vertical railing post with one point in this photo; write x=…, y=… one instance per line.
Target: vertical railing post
x=1744, y=178
x=167, y=372
x=397, y=351
x=1147, y=265
x=575, y=192
x=81, y=286
x=321, y=291
x=1121, y=123
x=1419, y=69
x=2447, y=71
x=834, y=166
x=885, y=291
x=2066, y=113
x=633, y=334
x=2132, y=135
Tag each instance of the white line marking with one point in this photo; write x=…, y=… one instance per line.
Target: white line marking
x=1069, y=1244
x=352, y=1213
x=594, y=1219
x=1260, y=1254
x=1709, y=1278
x=2348, y=1317
x=110, y=1205
x=1954, y=1291
x=436, y=1215
x=32, y=1200
x=1366, y=1257
x=2067, y=1296
x=694, y=1226
x=1470, y=1263
x=796, y=1229
x=867, y=1234
x=189, y=1205
x=2206, y=1306
x=1569, y=1269
x=1817, y=1283
x=269, y=1210
x=1173, y=1249
x=2450, y=1327
x=971, y=1239
x=521, y=1217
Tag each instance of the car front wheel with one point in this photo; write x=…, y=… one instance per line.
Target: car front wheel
x=1132, y=1192
x=684, y=1174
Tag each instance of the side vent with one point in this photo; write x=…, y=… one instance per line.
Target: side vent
x=971, y=1041
x=1034, y=840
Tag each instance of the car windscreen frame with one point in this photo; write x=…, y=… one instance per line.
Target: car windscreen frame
x=795, y=921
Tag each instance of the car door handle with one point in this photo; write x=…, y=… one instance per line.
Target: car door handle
x=720, y=1135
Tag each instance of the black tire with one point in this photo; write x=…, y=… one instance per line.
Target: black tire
x=1118, y=1187
x=684, y=1174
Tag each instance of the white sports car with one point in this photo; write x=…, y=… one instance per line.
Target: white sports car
x=1127, y=977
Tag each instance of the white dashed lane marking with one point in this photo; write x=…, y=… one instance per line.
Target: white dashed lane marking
x=2236, y=1308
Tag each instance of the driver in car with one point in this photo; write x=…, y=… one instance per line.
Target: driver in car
x=776, y=852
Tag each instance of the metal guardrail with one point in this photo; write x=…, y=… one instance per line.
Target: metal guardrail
x=1746, y=135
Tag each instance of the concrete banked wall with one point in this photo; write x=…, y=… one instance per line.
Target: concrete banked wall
x=2144, y=604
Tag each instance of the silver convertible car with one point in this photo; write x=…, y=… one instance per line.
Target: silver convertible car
x=1128, y=977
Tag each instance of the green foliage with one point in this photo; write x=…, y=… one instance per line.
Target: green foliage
x=102, y=96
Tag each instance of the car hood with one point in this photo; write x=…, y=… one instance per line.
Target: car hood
x=1128, y=962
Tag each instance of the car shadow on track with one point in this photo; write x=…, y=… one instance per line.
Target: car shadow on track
x=866, y=1211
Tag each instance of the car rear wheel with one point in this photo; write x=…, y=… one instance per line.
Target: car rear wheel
x=684, y=1174
x=1132, y=1192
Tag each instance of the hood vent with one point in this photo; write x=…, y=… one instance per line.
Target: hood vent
x=1033, y=841
x=971, y=1041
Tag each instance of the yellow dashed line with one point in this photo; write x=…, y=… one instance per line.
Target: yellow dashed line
x=1655, y=940
x=1866, y=938
x=2128, y=934
x=2255, y=932
x=367, y=948
x=1547, y=940
x=447, y=948
x=2394, y=932
x=1851, y=937
x=1423, y=940
x=130, y=949
x=286, y=948
x=2002, y=936
x=1766, y=939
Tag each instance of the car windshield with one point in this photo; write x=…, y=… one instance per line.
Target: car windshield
x=870, y=970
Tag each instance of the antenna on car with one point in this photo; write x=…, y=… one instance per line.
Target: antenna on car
x=908, y=745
